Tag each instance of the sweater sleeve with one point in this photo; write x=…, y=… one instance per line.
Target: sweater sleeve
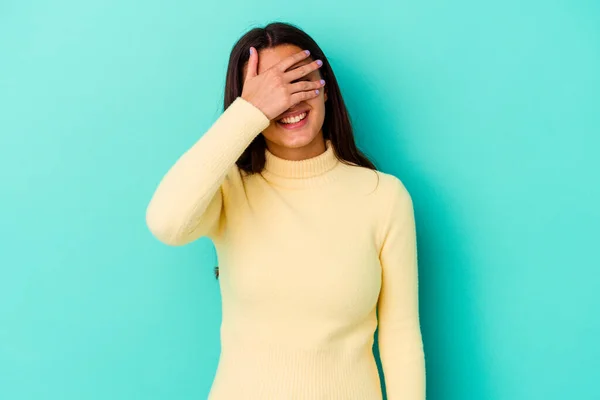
x=399, y=333
x=188, y=202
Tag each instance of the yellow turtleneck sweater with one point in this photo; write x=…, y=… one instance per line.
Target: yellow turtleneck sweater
x=313, y=255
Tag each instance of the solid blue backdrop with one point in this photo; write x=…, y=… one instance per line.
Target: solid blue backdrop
x=488, y=111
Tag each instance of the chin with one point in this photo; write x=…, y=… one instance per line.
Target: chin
x=296, y=139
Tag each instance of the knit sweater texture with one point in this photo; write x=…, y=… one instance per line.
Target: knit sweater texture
x=314, y=256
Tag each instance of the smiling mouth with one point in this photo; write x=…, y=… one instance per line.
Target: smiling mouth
x=294, y=122
x=295, y=118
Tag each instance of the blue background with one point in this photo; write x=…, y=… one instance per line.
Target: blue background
x=488, y=111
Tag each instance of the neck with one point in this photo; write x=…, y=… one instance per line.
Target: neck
x=307, y=172
x=313, y=149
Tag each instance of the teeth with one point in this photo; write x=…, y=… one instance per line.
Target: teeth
x=291, y=120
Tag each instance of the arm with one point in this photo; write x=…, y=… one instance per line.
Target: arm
x=399, y=333
x=188, y=202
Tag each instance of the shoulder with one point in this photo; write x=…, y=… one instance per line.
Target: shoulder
x=395, y=205
x=232, y=185
x=386, y=188
x=393, y=188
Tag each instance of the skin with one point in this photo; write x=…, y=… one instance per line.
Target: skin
x=297, y=144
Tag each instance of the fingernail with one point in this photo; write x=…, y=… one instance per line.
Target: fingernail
x=317, y=91
x=319, y=62
x=307, y=51
x=250, y=50
x=322, y=81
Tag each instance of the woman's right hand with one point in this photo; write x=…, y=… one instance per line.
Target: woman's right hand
x=271, y=91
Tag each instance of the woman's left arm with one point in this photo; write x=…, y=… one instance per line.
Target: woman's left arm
x=399, y=332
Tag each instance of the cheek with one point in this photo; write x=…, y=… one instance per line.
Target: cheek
x=318, y=108
x=317, y=116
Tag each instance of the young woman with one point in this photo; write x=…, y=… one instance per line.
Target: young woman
x=317, y=249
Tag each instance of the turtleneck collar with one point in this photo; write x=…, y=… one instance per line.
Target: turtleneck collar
x=301, y=173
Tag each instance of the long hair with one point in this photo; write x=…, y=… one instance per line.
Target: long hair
x=337, y=126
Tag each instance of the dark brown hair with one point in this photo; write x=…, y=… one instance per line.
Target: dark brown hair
x=337, y=126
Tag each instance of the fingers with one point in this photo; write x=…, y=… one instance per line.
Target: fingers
x=303, y=70
x=304, y=86
x=302, y=96
x=252, y=64
x=287, y=62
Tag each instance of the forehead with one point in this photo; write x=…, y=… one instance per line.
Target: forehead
x=271, y=56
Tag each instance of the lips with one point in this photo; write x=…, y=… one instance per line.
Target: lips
x=295, y=125
x=291, y=114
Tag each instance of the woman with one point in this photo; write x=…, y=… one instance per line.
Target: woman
x=316, y=247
